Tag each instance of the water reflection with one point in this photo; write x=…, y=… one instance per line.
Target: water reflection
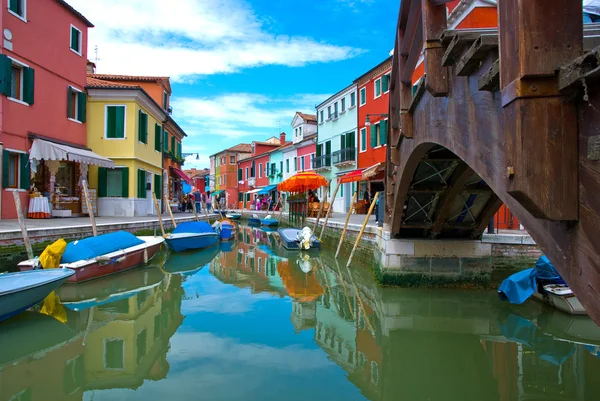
x=262, y=323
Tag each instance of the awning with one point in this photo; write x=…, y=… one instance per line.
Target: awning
x=254, y=191
x=353, y=176
x=372, y=171
x=219, y=192
x=45, y=150
x=181, y=175
x=266, y=190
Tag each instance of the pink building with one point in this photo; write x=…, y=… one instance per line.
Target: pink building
x=43, y=65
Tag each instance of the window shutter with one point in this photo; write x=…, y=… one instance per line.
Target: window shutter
x=13, y=5
x=319, y=149
x=239, y=174
x=5, y=74
x=165, y=140
x=81, y=106
x=5, y=161
x=119, y=122
x=140, y=126
x=281, y=166
x=328, y=147
x=173, y=150
x=25, y=179
x=141, y=184
x=102, y=182
x=157, y=137
x=373, y=135
x=74, y=39
x=158, y=186
x=69, y=102
x=342, y=141
x=125, y=182
x=179, y=150
x=385, y=82
x=28, y=85
x=383, y=132
x=111, y=118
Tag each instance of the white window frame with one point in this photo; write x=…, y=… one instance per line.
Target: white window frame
x=22, y=18
x=80, y=52
x=106, y=106
x=352, y=105
x=378, y=124
x=22, y=66
x=389, y=75
x=75, y=120
x=343, y=105
x=230, y=162
x=247, y=169
x=361, y=142
x=378, y=80
x=361, y=98
x=20, y=153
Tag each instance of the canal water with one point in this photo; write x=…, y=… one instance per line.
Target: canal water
x=250, y=321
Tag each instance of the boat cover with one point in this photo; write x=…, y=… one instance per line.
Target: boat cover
x=92, y=247
x=197, y=227
x=545, y=270
x=519, y=287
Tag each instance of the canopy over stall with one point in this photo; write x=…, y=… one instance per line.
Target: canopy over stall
x=45, y=150
x=181, y=175
x=304, y=181
x=360, y=175
x=267, y=189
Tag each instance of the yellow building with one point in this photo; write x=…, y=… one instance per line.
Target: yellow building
x=125, y=124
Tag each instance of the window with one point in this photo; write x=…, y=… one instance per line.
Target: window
x=363, y=139
x=353, y=99
x=377, y=88
x=240, y=174
x=16, y=80
x=158, y=186
x=142, y=127
x=224, y=180
x=115, y=122
x=299, y=131
x=113, y=182
x=386, y=83
x=273, y=168
x=75, y=40
x=16, y=173
x=302, y=164
x=231, y=159
x=267, y=169
x=13, y=170
x=157, y=137
x=343, y=101
x=312, y=159
x=173, y=149
x=281, y=166
x=114, y=354
x=295, y=164
x=165, y=100
x=335, y=112
x=379, y=134
x=260, y=170
x=322, y=113
x=329, y=112
x=287, y=165
x=18, y=8
x=166, y=140
x=141, y=184
x=363, y=96
x=76, y=104
x=247, y=176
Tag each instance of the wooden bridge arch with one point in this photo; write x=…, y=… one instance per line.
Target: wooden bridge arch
x=507, y=115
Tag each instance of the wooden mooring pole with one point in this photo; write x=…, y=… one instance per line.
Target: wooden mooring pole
x=88, y=204
x=329, y=211
x=325, y=193
x=28, y=246
x=158, y=212
x=170, y=211
x=362, y=230
x=346, y=225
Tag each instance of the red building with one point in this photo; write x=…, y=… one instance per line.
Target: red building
x=305, y=152
x=253, y=172
x=43, y=65
x=373, y=106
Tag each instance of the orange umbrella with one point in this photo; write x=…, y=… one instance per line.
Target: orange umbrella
x=306, y=180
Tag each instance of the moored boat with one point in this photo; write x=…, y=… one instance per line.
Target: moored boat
x=254, y=221
x=227, y=229
x=233, y=216
x=290, y=239
x=192, y=235
x=21, y=290
x=269, y=222
x=106, y=254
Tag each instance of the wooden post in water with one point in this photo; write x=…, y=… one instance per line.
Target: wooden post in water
x=88, y=204
x=22, y=225
x=160, y=222
x=170, y=211
x=362, y=230
x=346, y=225
x=280, y=201
x=325, y=193
x=329, y=212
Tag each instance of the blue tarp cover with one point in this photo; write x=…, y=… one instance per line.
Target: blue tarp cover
x=92, y=247
x=193, y=227
x=518, y=287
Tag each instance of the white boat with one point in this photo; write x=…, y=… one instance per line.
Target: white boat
x=561, y=297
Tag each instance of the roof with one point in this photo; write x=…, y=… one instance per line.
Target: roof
x=134, y=78
x=172, y=121
x=266, y=143
x=387, y=60
x=352, y=85
x=307, y=117
x=241, y=148
x=75, y=13
x=95, y=83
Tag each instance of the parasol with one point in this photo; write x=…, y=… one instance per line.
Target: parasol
x=303, y=181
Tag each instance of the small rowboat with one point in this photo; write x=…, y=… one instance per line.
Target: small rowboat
x=269, y=222
x=21, y=290
x=228, y=229
x=192, y=235
x=233, y=216
x=289, y=239
x=254, y=221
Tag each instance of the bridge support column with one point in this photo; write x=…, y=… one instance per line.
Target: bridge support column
x=536, y=38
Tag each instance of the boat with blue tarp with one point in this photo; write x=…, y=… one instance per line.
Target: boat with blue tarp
x=21, y=290
x=269, y=222
x=192, y=235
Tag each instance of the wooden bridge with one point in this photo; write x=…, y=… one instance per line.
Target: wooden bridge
x=502, y=115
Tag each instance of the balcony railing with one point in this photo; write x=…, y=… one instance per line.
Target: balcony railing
x=321, y=162
x=347, y=155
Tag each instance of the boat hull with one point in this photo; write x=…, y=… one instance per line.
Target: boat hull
x=269, y=222
x=253, y=221
x=234, y=216
x=114, y=263
x=567, y=304
x=288, y=239
x=191, y=241
x=17, y=301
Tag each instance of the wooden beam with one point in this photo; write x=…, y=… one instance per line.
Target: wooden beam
x=434, y=24
x=418, y=95
x=460, y=176
x=457, y=46
x=426, y=226
x=473, y=57
x=490, y=80
x=404, y=14
x=583, y=69
x=486, y=214
x=416, y=48
x=412, y=27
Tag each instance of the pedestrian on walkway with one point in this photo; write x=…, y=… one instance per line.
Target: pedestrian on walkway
x=198, y=200
x=591, y=11
x=190, y=204
x=208, y=202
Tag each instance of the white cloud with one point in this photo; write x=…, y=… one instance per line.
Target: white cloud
x=192, y=37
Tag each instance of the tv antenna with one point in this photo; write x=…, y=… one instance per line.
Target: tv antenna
x=96, y=54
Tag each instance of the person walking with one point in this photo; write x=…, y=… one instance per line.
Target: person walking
x=591, y=11
x=198, y=200
x=208, y=202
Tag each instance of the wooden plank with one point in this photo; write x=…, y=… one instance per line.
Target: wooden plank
x=362, y=229
x=425, y=226
x=21, y=218
x=337, y=252
x=405, y=8
x=413, y=27
x=166, y=200
x=457, y=45
x=434, y=24
x=158, y=212
x=486, y=215
x=473, y=57
x=413, y=57
x=490, y=80
x=583, y=69
x=459, y=178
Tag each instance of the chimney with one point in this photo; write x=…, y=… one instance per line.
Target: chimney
x=282, y=138
x=91, y=67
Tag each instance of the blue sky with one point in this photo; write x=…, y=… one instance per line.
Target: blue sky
x=240, y=69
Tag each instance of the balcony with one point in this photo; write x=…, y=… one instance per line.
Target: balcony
x=252, y=182
x=322, y=163
x=344, y=158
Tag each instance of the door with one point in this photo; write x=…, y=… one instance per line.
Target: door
x=347, y=196
x=149, y=201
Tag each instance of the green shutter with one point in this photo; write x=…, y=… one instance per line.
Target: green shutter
x=102, y=182
x=25, y=172
x=157, y=137
x=81, y=106
x=75, y=39
x=383, y=132
x=287, y=165
x=28, y=85
x=5, y=161
x=173, y=149
x=165, y=99
x=385, y=82
x=141, y=181
x=350, y=140
x=120, y=122
x=328, y=147
x=69, y=102
x=5, y=74
x=319, y=149
x=166, y=140
x=158, y=186
x=373, y=135
x=342, y=142
x=239, y=174
x=140, y=126
x=111, y=118
x=13, y=5
x=414, y=89
x=179, y=149
x=125, y=182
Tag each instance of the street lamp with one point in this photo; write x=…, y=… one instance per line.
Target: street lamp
x=191, y=154
x=368, y=121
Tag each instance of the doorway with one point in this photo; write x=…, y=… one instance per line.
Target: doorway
x=149, y=200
